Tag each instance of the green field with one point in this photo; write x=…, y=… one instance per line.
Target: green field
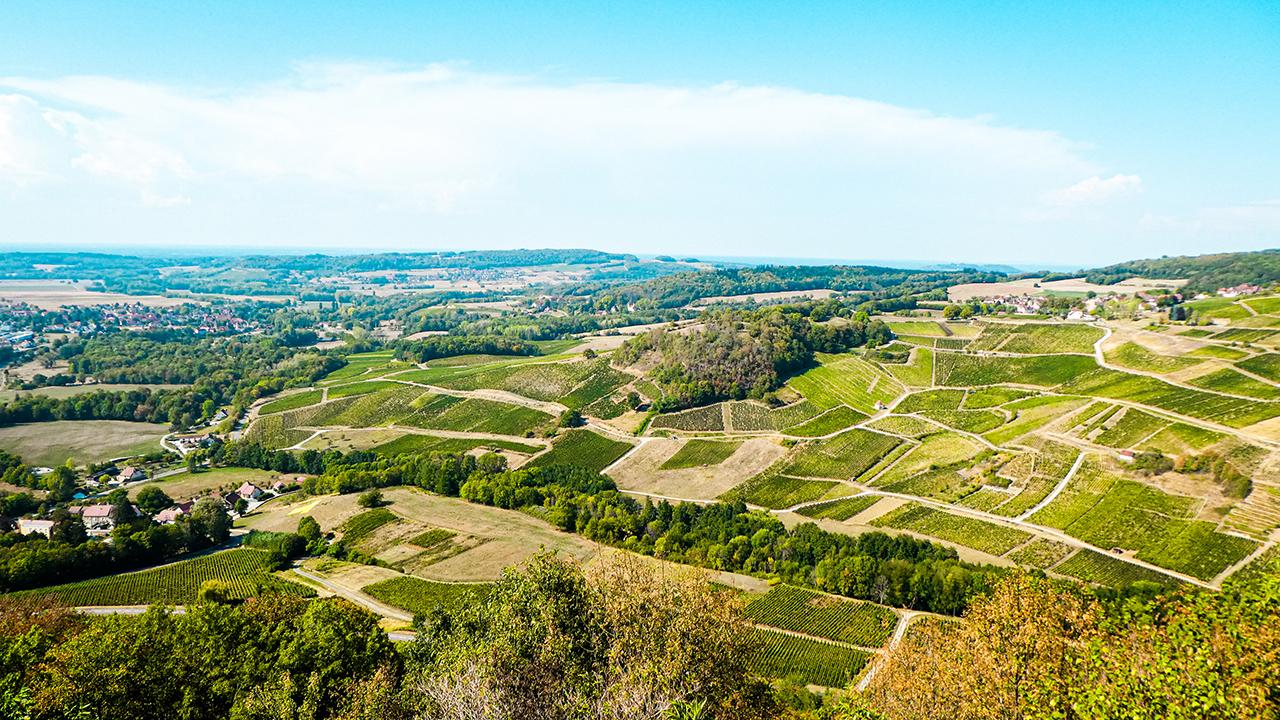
x=291, y=402
x=771, y=490
x=1041, y=553
x=1040, y=370
x=935, y=451
x=420, y=597
x=1146, y=390
x=84, y=441
x=841, y=509
x=970, y=532
x=1227, y=380
x=702, y=419
x=1136, y=357
x=414, y=443
x=1037, y=338
x=477, y=415
x=248, y=572
x=918, y=372
x=701, y=453
x=583, y=448
x=810, y=662
x=363, y=525
x=842, y=457
x=930, y=400
x=833, y=420
x=1095, y=567
x=1133, y=427
x=1266, y=365
x=906, y=425
x=988, y=397
x=974, y=421
x=813, y=613
x=848, y=380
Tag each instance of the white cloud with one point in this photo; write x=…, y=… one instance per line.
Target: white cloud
x=1094, y=191
x=454, y=156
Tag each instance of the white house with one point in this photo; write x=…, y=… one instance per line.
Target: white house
x=32, y=526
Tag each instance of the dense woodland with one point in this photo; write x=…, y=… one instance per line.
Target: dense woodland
x=1204, y=273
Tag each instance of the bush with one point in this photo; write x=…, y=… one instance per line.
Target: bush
x=370, y=499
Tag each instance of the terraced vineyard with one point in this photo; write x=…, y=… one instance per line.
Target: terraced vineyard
x=814, y=662
x=1034, y=338
x=844, y=456
x=970, y=532
x=772, y=490
x=842, y=509
x=847, y=380
x=825, y=616
x=1095, y=567
x=583, y=448
x=704, y=419
x=247, y=572
x=699, y=453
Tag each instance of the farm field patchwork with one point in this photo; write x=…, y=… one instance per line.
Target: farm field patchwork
x=1040, y=370
x=771, y=490
x=833, y=420
x=1096, y=567
x=1036, y=338
x=1136, y=357
x=841, y=509
x=842, y=457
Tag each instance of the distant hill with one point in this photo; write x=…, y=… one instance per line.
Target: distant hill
x=1203, y=272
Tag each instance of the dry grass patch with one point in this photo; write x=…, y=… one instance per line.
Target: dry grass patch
x=641, y=470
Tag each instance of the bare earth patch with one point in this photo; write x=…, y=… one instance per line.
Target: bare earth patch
x=640, y=470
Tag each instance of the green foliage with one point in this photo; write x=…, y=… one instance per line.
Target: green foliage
x=1035, y=338
x=1227, y=380
x=703, y=419
x=415, y=443
x=1136, y=357
x=1041, y=553
x=1267, y=365
x=958, y=369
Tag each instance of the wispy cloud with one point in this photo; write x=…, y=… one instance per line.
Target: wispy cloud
x=1094, y=191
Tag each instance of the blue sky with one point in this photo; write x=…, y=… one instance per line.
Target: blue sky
x=1063, y=133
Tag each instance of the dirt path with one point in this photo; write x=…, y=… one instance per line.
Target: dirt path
x=908, y=616
x=358, y=598
x=1057, y=490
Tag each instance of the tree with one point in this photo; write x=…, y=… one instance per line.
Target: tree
x=152, y=500
x=61, y=483
x=629, y=640
x=571, y=418
x=209, y=520
x=241, y=506
x=308, y=528
x=214, y=591
x=370, y=499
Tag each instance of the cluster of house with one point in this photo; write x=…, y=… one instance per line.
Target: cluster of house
x=99, y=520
x=186, y=443
x=1238, y=290
x=1021, y=304
x=113, y=477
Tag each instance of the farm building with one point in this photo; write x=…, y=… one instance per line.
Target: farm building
x=33, y=526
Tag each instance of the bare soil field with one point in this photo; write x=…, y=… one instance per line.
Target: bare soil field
x=52, y=443
x=763, y=297
x=641, y=471
x=1033, y=286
